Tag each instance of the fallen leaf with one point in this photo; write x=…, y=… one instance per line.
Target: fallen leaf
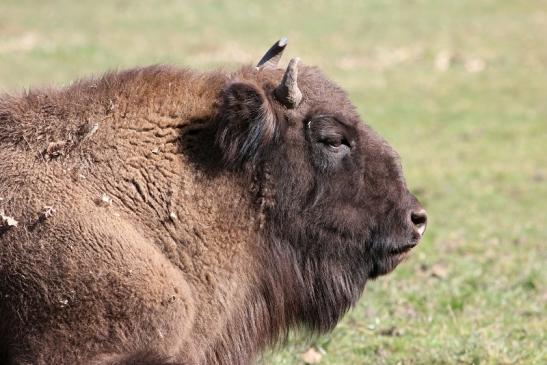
x=312, y=356
x=439, y=271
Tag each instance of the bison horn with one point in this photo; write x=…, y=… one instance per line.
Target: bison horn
x=272, y=57
x=288, y=92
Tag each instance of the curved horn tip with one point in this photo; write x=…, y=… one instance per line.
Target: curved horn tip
x=288, y=92
x=294, y=62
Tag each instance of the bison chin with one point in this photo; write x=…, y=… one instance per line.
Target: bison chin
x=388, y=257
x=387, y=264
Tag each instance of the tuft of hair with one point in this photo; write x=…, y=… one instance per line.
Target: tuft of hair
x=247, y=126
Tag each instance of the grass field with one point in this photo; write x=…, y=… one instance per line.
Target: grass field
x=458, y=87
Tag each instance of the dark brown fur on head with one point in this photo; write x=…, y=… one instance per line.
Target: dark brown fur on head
x=338, y=209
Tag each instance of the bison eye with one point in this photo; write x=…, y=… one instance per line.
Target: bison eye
x=335, y=142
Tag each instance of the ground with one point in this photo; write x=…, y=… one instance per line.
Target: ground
x=458, y=87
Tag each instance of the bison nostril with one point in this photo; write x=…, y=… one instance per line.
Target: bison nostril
x=419, y=219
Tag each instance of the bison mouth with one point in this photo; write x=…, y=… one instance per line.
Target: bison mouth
x=402, y=249
x=390, y=259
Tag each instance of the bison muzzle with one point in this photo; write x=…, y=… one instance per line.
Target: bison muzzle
x=166, y=216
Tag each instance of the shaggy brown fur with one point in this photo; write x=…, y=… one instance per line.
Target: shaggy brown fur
x=166, y=216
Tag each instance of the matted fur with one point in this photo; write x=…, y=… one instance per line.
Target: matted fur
x=167, y=216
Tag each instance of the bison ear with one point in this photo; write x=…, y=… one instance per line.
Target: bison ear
x=247, y=127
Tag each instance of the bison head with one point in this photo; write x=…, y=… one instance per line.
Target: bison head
x=335, y=207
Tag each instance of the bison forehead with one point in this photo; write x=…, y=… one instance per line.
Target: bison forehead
x=317, y=89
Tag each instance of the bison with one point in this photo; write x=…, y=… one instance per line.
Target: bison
x=166, y=216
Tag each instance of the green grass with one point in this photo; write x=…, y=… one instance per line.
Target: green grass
x=472, y=133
